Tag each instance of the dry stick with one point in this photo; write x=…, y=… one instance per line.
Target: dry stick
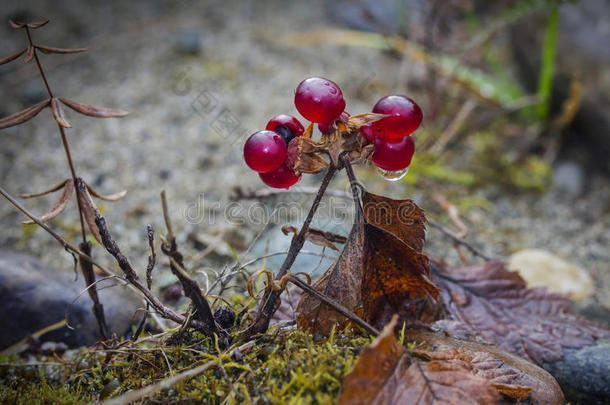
x=334, y=305
x=458, y=240
x=152, y=258
x=132, y=278
x=191, y=287
x=269, y=301
x=86, y=268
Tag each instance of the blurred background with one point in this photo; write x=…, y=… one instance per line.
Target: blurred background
x=512, y=154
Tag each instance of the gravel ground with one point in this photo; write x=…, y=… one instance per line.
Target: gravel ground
x=189, y=115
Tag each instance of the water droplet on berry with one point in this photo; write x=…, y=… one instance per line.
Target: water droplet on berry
x=393, y=175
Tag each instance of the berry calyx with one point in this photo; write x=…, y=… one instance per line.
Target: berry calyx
x=319, y=100
x=282, y=177
x=405, y=116
x=368, y=132
x=287, y=126
x=328, y=127
x=265, y=151
x=393, y=154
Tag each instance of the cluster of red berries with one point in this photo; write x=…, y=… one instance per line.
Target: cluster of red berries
x=321, y=101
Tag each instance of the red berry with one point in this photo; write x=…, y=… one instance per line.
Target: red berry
x=285, y=125
x=283, y=177
x=265, y=151
x=319, y=100
x=393, y=154
x=405, y=116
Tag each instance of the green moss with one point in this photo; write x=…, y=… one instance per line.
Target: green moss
x=285, y=367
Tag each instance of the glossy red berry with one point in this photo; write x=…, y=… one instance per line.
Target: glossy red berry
x=319, y=100
x=265, y=151
x=393, y=154
x=283, y=177
x=405, y=116
x=286, y=125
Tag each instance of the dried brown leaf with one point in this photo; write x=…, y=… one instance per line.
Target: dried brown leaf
x=447, y=371
x=29, y=54
x=377, y=274
x=54, y=188
x=52, y=49
x=356, y=121
x=23, y=116
x=510, y=375
x=109, y=197
x=38, y=24
x=91, y=111
x=88, y=208
x=58, y=113
x=59, y=206
x=341, y=282
x=495, y=304
x=13, y=56
x=395, y=280
x=15, y=24
x=402, y=218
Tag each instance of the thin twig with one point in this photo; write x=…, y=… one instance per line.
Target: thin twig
x=191, y=288
x=458, y=240
x=152, y=258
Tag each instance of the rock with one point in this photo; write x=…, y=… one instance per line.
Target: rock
x=584, y=374
x=540, y=268
x=188, y=43
x=569, y=179
x=33, y=296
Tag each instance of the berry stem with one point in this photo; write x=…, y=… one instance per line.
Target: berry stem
x=270, y=299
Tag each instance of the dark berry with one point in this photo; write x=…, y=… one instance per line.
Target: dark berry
x=265, y=151
x=393, y=154
x=283, y=177
x=405, y=116
x=225, y=317
x=319, y=100
x=285, y=125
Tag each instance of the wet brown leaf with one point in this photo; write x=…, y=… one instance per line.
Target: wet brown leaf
x=395, y=280
x=91, y=111
x=52, y=49
x=23, y=116
x=402, y=218
x=54, y=188
x=447, y=371
x=377, y=274
x=59, y=206
x=58, y=113
x=341, y=282
x=109, y=197
x=29, y=54
x=494, y=304
x=88, y=208
x=13, y=56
